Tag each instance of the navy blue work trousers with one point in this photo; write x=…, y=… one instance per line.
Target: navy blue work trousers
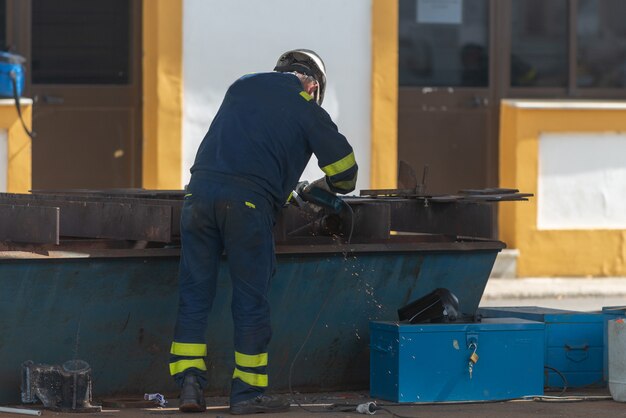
x=224, y=214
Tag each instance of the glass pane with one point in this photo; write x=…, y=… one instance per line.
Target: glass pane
x=3, y=25
x=601, y=54
x=444, y=43
x=539, y=43
x=80, y=41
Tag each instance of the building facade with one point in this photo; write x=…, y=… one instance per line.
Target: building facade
x=124, y=91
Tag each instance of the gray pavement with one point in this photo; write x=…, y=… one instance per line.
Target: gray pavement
x=581, y=294
x=577, y=406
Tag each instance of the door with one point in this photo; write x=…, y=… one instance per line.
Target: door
x=447, y=115
x=83, y=72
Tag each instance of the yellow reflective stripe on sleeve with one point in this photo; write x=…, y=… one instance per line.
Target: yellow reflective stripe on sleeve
x=188, y=349
x=182, y=365
x=340, y=166
x=344, y=185
x=247, y=360
x=306, y=95
x=253, y=379
x=251, y=205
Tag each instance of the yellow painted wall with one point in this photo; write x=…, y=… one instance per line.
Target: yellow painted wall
x=593, y=252
x=19, y=153
x=384, y=154
x=162, y=94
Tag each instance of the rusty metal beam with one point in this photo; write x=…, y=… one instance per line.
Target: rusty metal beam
x=29, y=224
x=116, y=220
x=450, y=218
x=169, y=198
x=123, y=193
x=176, y=204
x=147, y=216
x=104, y=219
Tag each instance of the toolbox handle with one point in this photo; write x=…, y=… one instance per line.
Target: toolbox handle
x=577, y=353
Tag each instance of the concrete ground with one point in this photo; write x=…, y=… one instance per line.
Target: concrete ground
x=317, y=406
x=582, y=294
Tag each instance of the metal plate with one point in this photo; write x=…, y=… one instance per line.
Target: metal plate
x=104, y=219
x=29, y=224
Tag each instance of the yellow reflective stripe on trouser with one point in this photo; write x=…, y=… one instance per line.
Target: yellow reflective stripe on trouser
x=306, y=95
x=247, y=360
x=188, y=349
x=340, y=166
x=182, y=365
x=252, y=379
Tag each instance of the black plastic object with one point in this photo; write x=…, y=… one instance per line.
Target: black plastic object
x=65, y=388
x=438, y=306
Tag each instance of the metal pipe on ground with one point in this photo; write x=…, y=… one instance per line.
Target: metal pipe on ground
x=20, y=411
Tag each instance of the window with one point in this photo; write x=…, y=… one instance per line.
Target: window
x=601, y=44
x=539, y=43
x=444, y=43
x=80, y=41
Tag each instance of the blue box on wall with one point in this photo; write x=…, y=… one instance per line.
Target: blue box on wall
x=574, y=343
x=429, y=362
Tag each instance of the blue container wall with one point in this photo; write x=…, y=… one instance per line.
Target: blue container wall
x=574, y=343
x=118, y=315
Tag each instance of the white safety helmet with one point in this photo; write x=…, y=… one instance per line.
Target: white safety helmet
x=306, y=62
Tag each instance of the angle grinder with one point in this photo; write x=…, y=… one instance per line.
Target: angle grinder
x=318, y=196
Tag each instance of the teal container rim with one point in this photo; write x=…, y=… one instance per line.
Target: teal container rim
x=488, y=324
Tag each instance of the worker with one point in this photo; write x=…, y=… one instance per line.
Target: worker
x=246, y=167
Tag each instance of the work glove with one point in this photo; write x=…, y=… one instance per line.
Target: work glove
x=320, y=184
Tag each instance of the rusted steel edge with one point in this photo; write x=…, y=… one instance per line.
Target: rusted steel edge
x=290, y=250
x=29, y=224
x=390, y=247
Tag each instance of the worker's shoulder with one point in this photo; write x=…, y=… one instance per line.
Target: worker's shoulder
x=273, y=79
x=282, y=88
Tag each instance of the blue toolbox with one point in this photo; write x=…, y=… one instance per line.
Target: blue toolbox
x=11, y=74
x=494, y=359
x=574, y=343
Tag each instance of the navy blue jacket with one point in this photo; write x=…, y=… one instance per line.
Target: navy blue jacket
x=265, y=132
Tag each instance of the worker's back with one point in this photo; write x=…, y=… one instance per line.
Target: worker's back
x=265, y=132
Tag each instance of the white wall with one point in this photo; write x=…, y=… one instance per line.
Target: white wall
x=225, y=39
x=582, y=181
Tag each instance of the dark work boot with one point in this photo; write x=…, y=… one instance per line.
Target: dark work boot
x=260, y=404
x=191, y=395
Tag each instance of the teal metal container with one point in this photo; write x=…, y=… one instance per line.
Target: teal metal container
x=430, y=362
x=574, y=343
x=116, y=309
